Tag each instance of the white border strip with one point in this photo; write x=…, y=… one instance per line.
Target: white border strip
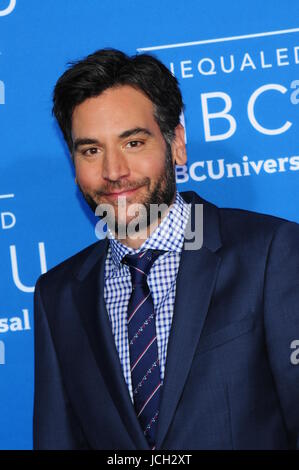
x=211, y=41
x=6, y=196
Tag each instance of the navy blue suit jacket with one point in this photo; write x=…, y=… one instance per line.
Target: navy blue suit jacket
x=229, y=380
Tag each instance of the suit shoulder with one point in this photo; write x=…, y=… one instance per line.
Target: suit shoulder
x=241, y=223
x=249, y=216
x=243, y=227
x=69, y=267
x=252, y=217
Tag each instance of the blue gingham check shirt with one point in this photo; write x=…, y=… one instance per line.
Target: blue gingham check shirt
x=168, y=236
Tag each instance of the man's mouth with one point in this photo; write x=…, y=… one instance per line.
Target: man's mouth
x=122, y=192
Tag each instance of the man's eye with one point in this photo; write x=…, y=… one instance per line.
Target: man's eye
x=134, y=143
x=91, y=151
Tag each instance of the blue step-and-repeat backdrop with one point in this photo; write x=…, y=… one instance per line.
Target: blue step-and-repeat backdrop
x=238, y=66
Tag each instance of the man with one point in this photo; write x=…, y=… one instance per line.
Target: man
x=141, y=341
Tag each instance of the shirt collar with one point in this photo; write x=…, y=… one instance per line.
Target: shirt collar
x=168, y=236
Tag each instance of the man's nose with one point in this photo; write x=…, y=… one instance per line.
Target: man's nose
x=115, y=165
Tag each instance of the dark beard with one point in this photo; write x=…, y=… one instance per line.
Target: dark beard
x=163, y=192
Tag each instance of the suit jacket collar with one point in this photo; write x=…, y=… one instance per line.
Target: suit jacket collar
x=195, y=282
x=211, y=223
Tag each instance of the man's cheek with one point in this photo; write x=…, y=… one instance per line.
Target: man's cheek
x=86, y=179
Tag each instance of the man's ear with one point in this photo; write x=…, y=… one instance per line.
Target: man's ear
x=178, y=146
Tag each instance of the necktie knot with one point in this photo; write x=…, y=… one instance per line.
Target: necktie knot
x=140, y=264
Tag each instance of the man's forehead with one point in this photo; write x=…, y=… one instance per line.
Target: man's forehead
x=115, y=111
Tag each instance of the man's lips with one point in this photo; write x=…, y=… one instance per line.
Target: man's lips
x=125, y=192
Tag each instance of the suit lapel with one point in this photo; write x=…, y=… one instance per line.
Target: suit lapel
x=195, y=282
x=88, y=291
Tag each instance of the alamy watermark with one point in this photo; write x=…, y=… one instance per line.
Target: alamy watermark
x=139, y=221
x=294, y=358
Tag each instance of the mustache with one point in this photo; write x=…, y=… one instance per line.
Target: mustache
x=121, y=186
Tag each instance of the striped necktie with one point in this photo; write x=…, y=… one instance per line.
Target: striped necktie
x=144, y=360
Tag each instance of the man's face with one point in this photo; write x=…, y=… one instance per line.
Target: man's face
x=119, y=150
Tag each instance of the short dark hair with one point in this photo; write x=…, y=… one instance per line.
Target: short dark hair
x=108, y=68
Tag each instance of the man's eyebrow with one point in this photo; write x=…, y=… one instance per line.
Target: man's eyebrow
x=134, y=131
x=84, y=141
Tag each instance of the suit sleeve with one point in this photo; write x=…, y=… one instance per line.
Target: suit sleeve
x=54, y=424
x=281, y=310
